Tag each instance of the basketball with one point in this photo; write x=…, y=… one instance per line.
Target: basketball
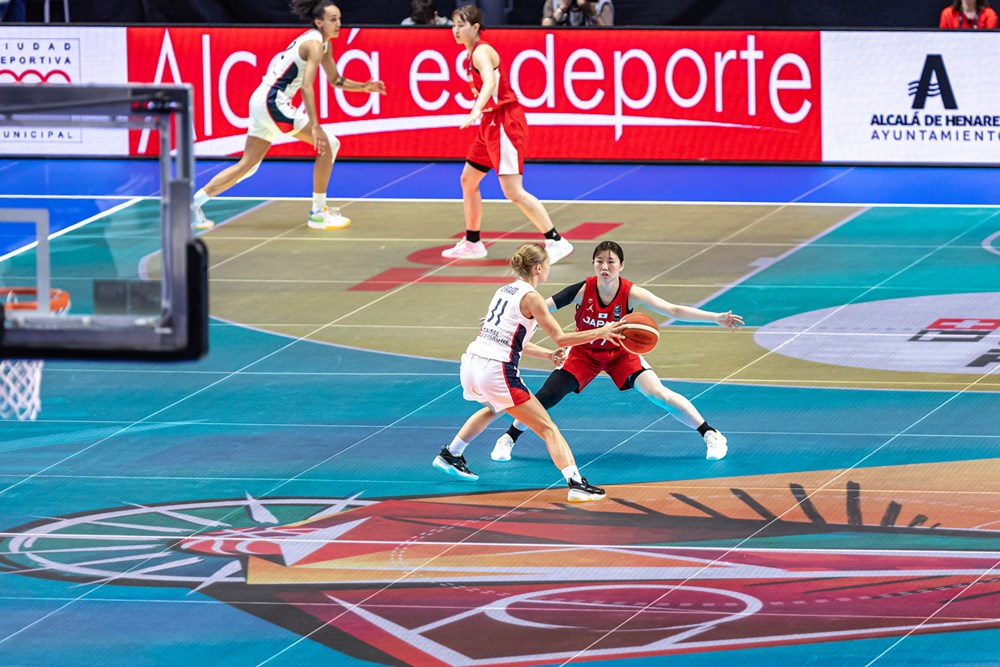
x=640, y=333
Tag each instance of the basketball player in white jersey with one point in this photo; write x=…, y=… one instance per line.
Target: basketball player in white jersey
x=490, y=372
x=272, y=113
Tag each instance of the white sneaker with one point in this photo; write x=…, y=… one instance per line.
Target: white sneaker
x=557, y=249
x=327, y=219
x=200, y=221
x=717, y=447
x=501, y=450
x=466, y=250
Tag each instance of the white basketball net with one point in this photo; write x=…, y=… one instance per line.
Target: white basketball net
x=20, y=388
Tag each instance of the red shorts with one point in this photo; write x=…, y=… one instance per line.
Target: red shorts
x=501, y=140
x=585, y=366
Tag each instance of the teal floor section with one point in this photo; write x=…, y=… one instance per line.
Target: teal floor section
x=244, y=423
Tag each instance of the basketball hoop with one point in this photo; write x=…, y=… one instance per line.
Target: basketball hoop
x=21, y=379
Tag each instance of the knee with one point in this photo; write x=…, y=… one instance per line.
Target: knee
x=515, y=195
x=334, y=147
x=547, y=430
x=469, y=183
x=548, y=397
x=327, y=157
x=248, y=170
x=667, y=397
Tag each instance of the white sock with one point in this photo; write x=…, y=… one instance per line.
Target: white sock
x=457, y=446
x=571, y=473
x=200, y=198
x=319, y=201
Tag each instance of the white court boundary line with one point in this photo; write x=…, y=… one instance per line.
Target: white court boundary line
x=94, y=218
x=234, y=373
x=367, y=198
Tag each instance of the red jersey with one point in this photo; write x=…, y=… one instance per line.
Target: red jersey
x=956, y=19
x=504, y=93
x=591, y=314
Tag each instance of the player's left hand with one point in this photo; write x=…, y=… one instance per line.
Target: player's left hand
x=375, y=87
x=727, y=319
x=473, y=117
x=559, y=357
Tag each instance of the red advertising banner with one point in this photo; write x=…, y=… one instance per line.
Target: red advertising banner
x=589, y=95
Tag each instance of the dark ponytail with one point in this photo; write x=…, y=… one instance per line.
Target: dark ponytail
x=310, y=10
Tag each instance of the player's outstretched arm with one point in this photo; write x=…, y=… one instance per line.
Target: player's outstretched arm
x=566, y=296
x=557, y=356
x=532, y=304
x=338, y=81
x=640, y=296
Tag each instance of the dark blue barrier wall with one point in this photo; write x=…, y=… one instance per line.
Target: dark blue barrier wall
x=709, y=13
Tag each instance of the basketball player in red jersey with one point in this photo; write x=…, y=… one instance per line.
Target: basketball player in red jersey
x=606, y=297
x=273, y=115
x=499, y=144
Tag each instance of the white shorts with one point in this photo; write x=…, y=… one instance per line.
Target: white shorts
x=271, y=118
x=495, y=383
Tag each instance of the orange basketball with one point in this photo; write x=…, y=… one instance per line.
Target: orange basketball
x=640, y=333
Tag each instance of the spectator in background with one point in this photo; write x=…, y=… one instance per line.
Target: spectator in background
x=578, y=12
x=423, y=12
x=974, y=14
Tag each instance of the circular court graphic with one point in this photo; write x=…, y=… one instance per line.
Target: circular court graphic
x=949, y=333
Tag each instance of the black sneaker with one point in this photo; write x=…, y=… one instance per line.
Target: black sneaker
x=581, y=492
x=448, y=463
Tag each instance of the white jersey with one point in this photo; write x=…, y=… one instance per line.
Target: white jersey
x=284, y=74
x=505, y=330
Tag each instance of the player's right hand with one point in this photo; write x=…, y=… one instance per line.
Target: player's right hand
x=473, y=117
x=612, y=332
x=322, y=142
